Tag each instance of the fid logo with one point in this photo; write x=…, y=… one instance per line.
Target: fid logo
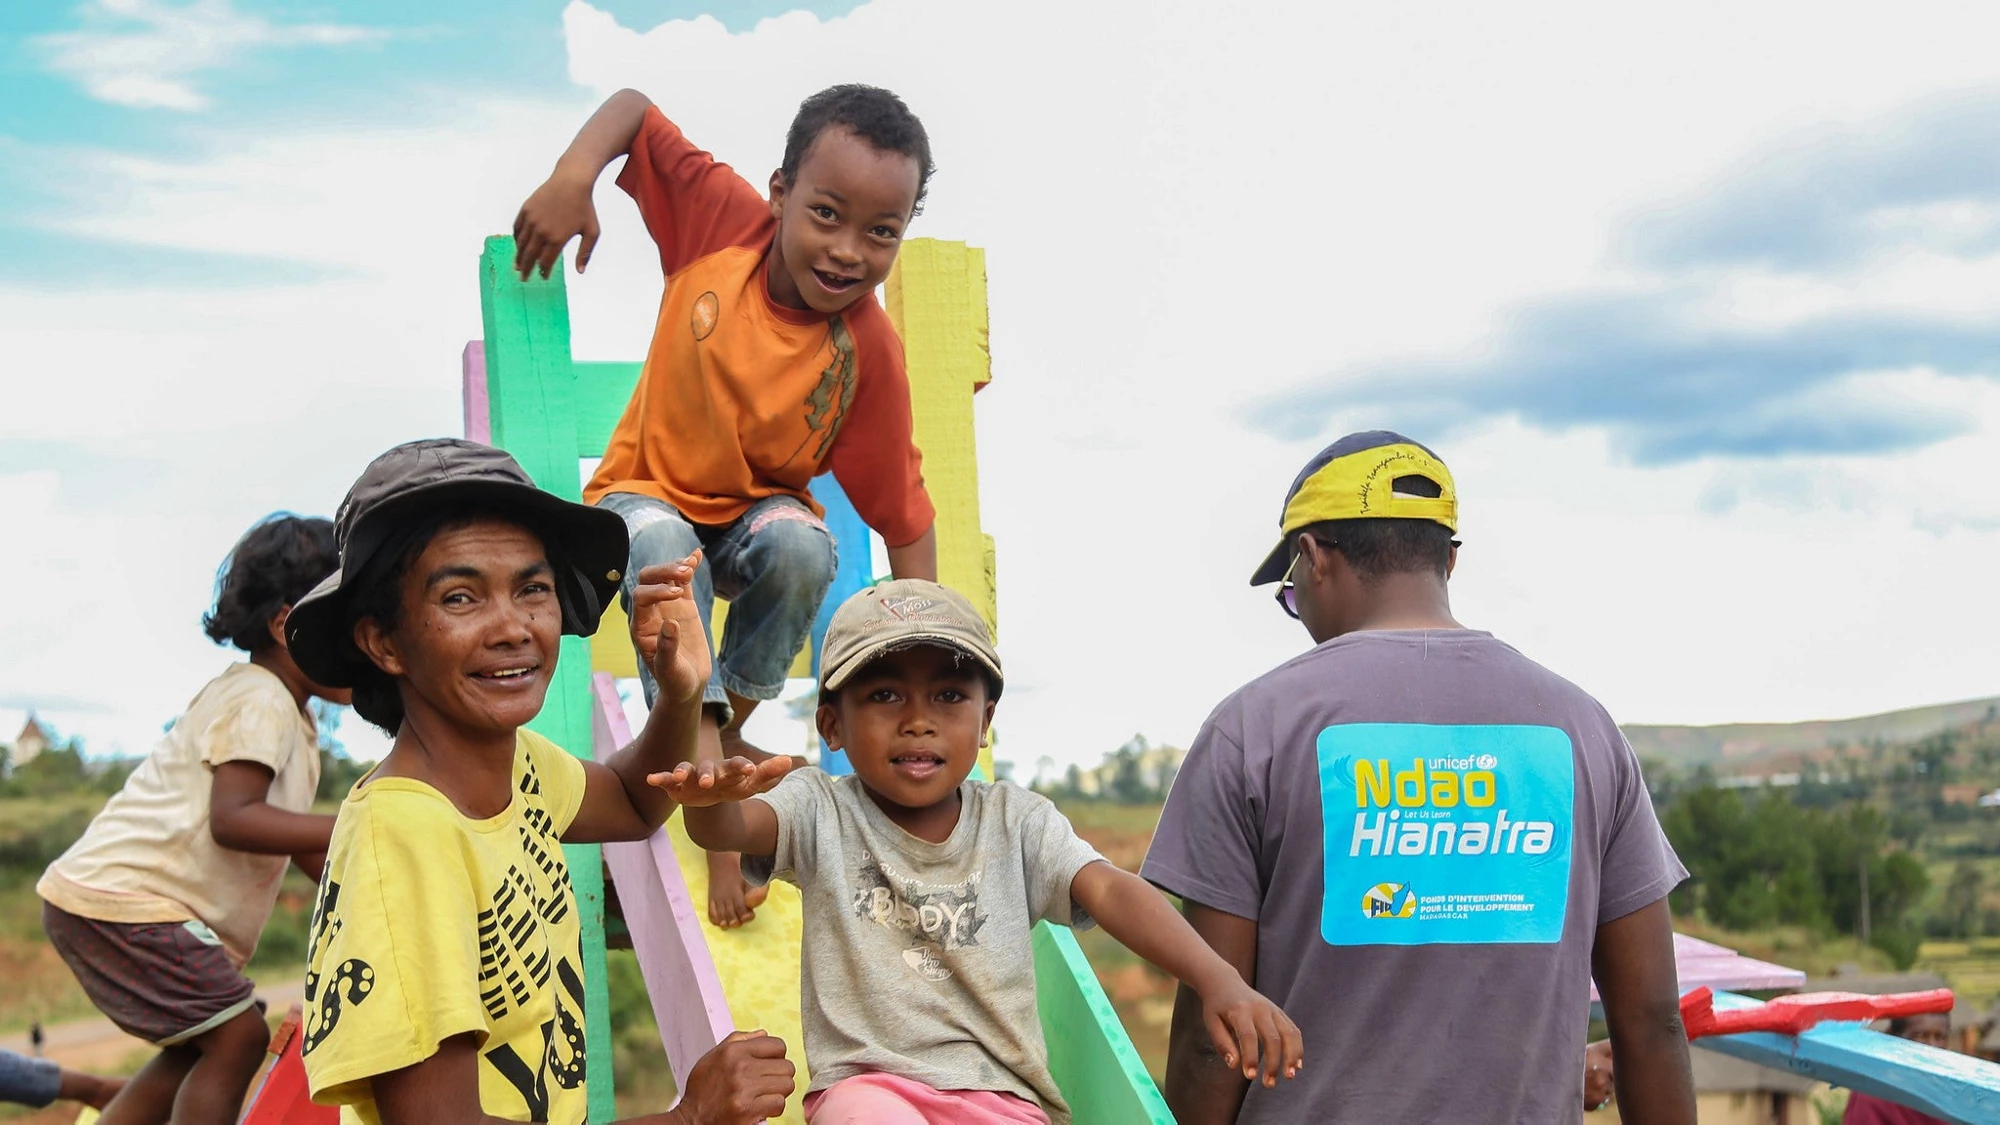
x=1389, y=900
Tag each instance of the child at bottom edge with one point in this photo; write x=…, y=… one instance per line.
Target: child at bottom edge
x=920, y=888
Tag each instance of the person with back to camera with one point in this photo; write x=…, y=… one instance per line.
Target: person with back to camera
x=1422, y=844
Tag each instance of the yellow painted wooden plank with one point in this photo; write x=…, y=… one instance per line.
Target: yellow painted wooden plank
x=758, y=964
x=937, y=300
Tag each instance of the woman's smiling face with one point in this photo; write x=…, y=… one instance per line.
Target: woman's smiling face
x=478, y=631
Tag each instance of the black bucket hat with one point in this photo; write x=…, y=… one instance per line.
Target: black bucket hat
x=587, y=546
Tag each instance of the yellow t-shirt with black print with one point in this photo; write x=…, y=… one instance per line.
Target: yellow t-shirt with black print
x=430, y=924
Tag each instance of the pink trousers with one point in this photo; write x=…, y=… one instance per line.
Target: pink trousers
x=884, y=1099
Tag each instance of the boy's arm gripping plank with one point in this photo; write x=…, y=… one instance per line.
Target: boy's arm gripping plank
x=632, y=794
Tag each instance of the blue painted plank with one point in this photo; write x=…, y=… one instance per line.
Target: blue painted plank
x=856, y=551
x=1944, y=1084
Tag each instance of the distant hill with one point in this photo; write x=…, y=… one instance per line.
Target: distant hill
x=1732, y=744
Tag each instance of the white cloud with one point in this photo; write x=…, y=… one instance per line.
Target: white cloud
x=1183, y=210
x=146, y=54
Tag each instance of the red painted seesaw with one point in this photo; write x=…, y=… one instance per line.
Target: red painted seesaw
x=282, y=1099
x=1793, y=1015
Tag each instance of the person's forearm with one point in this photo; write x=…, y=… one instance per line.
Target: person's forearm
x=717, y=828
x=265, y=829
x=917, y=558
x=1633, y=963
x=1652, y=1074
x=1200, y=1089
x=1143, y=921
x=312, y=863
x=604, y=138
x=671, y=736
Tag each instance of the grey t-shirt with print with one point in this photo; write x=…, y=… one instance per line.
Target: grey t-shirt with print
x=1428, y=828
x=917, y=957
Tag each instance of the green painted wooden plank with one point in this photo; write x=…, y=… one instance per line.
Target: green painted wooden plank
x=531, y=403
x=1091, y=1057
x=602, y=390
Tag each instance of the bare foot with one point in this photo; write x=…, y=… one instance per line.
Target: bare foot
x=729, y=904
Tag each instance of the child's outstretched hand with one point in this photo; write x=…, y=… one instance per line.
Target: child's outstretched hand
x=1246, y=1026
x=698, y=785
x=667, y=629
x=559, y=210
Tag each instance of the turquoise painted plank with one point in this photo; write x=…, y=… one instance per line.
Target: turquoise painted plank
x=602, y=390
x=1943, y=1084
x=1090, y=1056
x=531, y=405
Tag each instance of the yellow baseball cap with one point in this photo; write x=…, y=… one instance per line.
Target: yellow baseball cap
x=1355, y=479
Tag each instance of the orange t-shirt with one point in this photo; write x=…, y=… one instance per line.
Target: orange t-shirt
x=740, y=398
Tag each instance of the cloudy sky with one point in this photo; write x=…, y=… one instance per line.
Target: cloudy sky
x=1698, y=302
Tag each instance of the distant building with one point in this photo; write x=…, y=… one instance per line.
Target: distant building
x=1730, y=1091
x=1157, y=766
x=1968, y=794
x=29, y=744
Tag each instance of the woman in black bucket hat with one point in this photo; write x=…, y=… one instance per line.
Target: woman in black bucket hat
x=444, y=982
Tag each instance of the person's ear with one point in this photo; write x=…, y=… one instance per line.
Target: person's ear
x=986, y=722
x=827, y=718
x=1314, y=556
x=778, y=194
x=276, y=626
x=378, y=646
x=1451, y=561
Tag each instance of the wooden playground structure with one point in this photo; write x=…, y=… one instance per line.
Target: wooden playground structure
x=524, y=393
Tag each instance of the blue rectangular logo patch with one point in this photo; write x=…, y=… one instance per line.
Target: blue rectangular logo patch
x=1446, y=835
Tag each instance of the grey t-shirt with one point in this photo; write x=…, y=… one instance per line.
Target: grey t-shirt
x=1428, y=828
x=917, y=957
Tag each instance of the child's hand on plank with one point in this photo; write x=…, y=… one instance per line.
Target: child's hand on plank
x=667, y=629
x=1246, y=1026
x=745, y=1079
x=697, y=785
x=561, y=209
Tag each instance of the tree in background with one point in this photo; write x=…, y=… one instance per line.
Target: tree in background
x=1963, y=899
x=1771, y=861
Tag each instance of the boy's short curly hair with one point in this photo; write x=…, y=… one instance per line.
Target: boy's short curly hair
x=873, y=114
x=276, y=563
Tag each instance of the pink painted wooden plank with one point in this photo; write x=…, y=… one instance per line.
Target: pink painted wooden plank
x=478, y=418
x=1701, y=962
x=681, y=981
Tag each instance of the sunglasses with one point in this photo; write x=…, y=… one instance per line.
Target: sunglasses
x=1288, y=594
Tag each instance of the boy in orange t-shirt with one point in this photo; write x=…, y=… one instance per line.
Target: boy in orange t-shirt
x=771, y=363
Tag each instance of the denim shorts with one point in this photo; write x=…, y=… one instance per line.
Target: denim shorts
x=774, y=564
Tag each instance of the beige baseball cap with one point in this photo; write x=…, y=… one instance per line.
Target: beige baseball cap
x=902, y=614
